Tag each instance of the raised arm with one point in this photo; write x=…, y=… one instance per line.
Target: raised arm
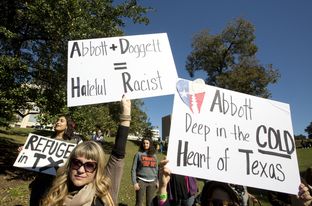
x=119, y=149
x=115, y=165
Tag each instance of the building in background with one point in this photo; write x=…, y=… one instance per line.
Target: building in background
x=30, y=120
x=156, y=135
x=30, y=116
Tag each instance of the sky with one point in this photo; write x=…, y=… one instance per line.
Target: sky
x=283, y=30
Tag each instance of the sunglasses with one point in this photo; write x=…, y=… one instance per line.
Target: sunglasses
x=216, y=202
x=88, y=166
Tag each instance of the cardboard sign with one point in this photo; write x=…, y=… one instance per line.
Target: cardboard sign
x=102, y=70
x=43, y=154
x=227, y=136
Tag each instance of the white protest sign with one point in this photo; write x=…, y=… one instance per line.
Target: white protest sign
x=228, y=136
x=102, y=70
x=43, y=154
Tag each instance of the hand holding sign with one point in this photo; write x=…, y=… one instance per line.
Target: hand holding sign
x=43, y=154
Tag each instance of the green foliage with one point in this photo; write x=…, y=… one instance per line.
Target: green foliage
x=87, y=117
x=33, y=49
x=309, y=130
x=299, y=137
x=140, y=124
x=304, y=159
x=229, y=59
x=106, y=116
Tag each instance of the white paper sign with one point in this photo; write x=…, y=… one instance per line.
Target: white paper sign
x=102, y=70
x=228, y=136
x=43, y=154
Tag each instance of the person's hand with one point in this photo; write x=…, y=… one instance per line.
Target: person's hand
x=304, y=195
x=253, y=198
x=20, y=148
x=136, y=186
x=125, y=115
x=125, y=106
x=164, y=176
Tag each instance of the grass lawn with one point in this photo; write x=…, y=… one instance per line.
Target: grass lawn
x=14, y=187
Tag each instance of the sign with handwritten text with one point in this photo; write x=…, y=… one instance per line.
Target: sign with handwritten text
x=43, y=154
x=227, y=136
x=102, y=70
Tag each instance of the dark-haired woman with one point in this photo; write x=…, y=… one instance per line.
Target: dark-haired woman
x=144, y=172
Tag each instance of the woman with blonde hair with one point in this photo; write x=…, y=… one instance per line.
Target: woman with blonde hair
x=86, y=179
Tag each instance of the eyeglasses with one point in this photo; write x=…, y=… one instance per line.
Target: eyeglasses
x=88, y=166
x=216, y=202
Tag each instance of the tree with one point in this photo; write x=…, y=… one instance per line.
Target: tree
x=299, y=137
x=309, y=130
x=229, y=59
x=33, y=48
x=141, y=125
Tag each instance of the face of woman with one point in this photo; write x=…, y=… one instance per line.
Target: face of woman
x=61, y=124
x=221, y=197
x=146, y=144
x=82, y=171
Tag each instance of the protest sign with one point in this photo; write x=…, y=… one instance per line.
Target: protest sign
x=227, y=136
x=43, y=154
x=102, y=70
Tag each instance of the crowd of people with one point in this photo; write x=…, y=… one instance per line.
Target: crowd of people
x=87, y=179
x=223, y=194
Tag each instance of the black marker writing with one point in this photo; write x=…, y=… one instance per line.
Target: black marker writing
x=190, y=157
x=228, y=105
x=223, y=161
x=52, y=164
x=196, y=128
x=149, y=84
x=139, y=49
x=274, y=139
x=89, y=49
x=91, y=88
x=38, y=157
x=40, y=144
x=263, y=169
x=239, y=134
